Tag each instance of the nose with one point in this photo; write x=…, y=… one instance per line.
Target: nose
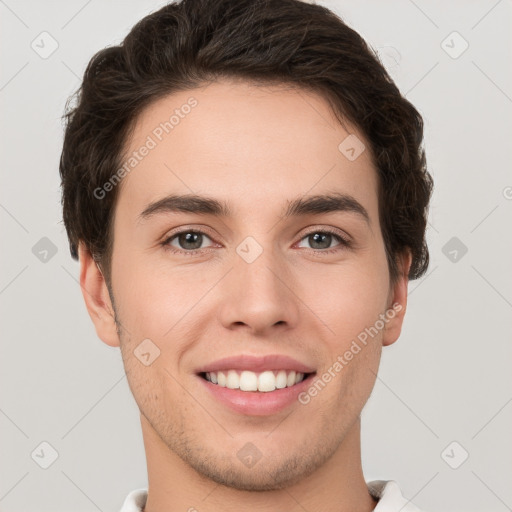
x=259, y=296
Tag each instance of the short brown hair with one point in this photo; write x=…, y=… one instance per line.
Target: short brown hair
x=191, y=42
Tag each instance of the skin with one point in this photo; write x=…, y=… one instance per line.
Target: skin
x=255, y=148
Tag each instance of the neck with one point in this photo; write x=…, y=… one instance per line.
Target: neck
x=337, y=486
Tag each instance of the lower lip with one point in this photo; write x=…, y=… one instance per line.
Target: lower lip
x=257, y=403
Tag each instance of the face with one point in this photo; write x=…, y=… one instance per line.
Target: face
x=198, y=286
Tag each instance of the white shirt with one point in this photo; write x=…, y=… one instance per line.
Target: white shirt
x=387, y=492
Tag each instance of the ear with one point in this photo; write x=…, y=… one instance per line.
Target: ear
x=96, y=297
x=397, y=302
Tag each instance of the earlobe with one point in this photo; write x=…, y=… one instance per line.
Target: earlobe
x=97, y=299
x=397, y=305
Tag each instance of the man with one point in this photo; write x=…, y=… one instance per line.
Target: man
x=247, y=194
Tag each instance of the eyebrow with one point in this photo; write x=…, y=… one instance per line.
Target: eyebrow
x=302, y=206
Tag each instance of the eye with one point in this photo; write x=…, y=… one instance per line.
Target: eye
x=188, y=241
x=321, y=240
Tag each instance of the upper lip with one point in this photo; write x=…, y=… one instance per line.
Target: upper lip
x=256, y=364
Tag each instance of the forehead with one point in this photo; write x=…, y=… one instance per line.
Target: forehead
x=245, y=145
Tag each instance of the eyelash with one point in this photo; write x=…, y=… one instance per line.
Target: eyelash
x=344, y=242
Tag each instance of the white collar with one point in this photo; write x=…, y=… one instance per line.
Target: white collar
x=387, y=492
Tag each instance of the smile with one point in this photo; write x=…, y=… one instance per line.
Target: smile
x=247, y=380
x=271, y=399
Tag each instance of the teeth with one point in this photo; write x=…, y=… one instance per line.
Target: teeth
x=232, y=380
x=281, y=380
x=250, y=381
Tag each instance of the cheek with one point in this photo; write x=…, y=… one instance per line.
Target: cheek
x=144, y=299
x=347, y=297
x=152, y=306
x=161, y=302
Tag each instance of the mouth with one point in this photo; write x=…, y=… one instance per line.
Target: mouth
x=256, y=394
x=256, y=382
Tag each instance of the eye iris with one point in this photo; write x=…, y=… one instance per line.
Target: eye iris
x=321, y=236
x=190, y=237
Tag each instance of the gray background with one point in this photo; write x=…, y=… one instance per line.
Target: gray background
x=446, y=380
